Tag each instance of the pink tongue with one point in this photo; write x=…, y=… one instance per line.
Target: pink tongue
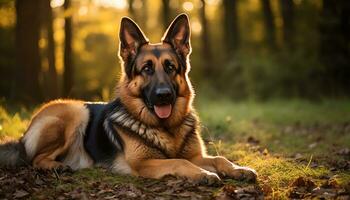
x=163, y=111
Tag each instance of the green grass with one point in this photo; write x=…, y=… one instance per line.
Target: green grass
x=282, y=126
x=315, y=131
x=284, y=129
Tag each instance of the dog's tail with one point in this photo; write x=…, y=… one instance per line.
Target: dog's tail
x=13, y=154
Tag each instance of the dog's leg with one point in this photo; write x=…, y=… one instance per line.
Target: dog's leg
x=222, y=166
x=55, y=141
x=158, y=168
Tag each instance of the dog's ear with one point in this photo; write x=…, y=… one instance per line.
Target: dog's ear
x=178, y=35
x=131, y=38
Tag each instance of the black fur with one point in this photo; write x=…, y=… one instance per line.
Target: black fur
x=96, y=142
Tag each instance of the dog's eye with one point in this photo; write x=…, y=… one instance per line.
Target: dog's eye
x=147, y=68
x=169, y=67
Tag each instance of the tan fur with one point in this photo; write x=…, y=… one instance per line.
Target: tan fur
x=59, y=128
x=129, y=90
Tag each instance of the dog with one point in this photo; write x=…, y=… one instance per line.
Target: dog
x=150, y=129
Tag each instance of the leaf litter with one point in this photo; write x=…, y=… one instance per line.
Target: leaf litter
x=30, y=183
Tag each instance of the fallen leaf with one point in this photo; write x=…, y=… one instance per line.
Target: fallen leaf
x=344, y=152
x=331, y=184
x=20, y=194
x=305, y=183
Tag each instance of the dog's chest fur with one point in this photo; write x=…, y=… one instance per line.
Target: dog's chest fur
x=164, y=142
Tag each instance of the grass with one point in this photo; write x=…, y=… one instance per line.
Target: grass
x=281, y=139
x=283, y=126
x=283, y=129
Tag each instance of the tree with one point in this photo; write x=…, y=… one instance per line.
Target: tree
x=68, y=62
x=27, y=50
x=334, y=45
x=139, y=16
x=269, y=23
x=131, y=8
x=206, y=47
x=47, y=21
x=287, y=9
x=231, y=26
x=144, y=15
x=166, y=13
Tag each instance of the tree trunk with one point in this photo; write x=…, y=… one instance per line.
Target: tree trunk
x=269, y=24
x=68, y=62
x=334, y=46
x=47, y=20
x=206, y=50
x=231, y=26
x=166, y=14
x=27, y=50
x=131, y=8
x=144, y=12
x=287, y=9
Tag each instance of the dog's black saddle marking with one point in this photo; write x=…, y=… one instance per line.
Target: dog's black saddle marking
x=101, y=140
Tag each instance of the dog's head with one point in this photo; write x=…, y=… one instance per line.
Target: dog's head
x=154, y=85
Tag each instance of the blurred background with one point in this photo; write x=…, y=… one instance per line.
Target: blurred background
x=242, y=49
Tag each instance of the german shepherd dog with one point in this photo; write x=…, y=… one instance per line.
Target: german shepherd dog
x=150, y=129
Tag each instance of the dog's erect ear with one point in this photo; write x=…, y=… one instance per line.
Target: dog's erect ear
x=178, y=35
x=131, y=38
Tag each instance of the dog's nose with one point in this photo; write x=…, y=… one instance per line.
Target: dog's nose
x=164, y=93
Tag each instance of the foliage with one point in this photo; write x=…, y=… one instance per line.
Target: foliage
x=11, y=125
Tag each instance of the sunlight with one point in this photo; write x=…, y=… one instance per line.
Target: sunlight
x=118, y=4
x=7, y=17
x=83, y=10
x=212, y=2
x=188, y=6
x=56, y=3
x=174, y=4
x=196, y=26
x=137, y=4
x=297, y=2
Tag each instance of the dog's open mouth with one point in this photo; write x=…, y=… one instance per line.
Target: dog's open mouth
x=163, y=111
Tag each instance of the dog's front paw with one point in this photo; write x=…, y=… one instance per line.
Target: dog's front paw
x=207, y=178
x=242, y=173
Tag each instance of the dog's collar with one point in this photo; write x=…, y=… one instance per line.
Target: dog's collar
x=122, y=118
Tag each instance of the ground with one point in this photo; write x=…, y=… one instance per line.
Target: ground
x=300, y=150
